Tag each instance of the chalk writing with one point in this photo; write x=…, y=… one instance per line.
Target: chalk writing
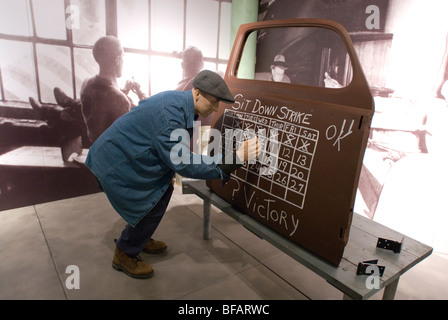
x=284, y=112
x=332, y=132
x=263, y=208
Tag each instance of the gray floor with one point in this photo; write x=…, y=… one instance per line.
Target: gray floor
x=38, y=243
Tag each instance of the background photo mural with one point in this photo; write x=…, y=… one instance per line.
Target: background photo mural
x=402, y=46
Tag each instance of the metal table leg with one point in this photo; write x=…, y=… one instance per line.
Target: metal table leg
x=391, y=288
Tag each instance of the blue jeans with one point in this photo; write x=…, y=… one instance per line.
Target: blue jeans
x=133, y=239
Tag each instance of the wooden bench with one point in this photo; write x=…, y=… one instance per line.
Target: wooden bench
x=361, y=246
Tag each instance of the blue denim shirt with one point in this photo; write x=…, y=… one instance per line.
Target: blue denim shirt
x=132, y=161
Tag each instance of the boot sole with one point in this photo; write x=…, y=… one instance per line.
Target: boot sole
x=135, y=276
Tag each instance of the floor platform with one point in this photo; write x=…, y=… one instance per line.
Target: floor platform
x=38, y=243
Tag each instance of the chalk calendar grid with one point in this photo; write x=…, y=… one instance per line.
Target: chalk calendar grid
x=284, y=166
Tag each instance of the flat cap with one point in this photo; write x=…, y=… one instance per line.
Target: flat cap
x=210, y=82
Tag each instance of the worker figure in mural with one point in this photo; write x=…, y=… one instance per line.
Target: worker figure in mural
x=78, y=123
x=102, y=101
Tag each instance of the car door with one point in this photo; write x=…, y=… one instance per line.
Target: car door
x=299, y=87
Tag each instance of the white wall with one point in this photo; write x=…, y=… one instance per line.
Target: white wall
x=420, y=29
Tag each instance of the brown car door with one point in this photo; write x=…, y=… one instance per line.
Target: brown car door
x=300, y=88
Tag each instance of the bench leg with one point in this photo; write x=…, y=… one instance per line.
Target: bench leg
x=207, y=221
x=389, y=291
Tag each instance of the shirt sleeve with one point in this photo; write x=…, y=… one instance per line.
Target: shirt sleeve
x=173, y=147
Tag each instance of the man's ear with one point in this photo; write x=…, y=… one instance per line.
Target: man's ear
x=196, y=94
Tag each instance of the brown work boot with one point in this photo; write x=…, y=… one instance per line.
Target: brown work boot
x=154, y=246
x=133, y=267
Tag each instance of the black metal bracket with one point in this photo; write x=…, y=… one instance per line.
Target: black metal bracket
x=362, y=268
x=392, y=245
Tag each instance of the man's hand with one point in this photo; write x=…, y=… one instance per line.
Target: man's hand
x=249, y=150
